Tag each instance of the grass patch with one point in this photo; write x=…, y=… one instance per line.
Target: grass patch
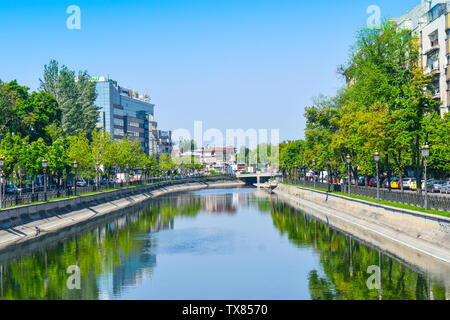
x=388, y=203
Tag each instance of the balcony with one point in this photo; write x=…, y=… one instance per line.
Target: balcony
x=434, y=47
x=433, y=68
x=436, y=94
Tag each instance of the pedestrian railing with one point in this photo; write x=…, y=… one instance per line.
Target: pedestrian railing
x=27, y=198
x=437, y=202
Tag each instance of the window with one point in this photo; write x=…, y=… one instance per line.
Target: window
x=118, y=112
x=437, y=11
x=118, y=132
x=133, y=124
x=434, y=39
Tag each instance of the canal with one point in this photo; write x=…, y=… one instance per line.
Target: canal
x=212, y=244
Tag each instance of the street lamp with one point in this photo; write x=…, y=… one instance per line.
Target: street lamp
x=97, y=168
x=377, y=160
x=314, y=172
x=425, y=155
x=2, y=163
x=329, y=177
x=75, y=165
x=45, y=165
x=348, y=171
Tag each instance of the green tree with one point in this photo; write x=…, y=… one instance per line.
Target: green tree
x=80, y=150
x=75, y=95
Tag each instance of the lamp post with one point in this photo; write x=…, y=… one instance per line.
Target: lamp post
x=97, y=168
x=20, y=180
x=75, y=165
x=328, y=173
x=377, y=160
x=314, y=172
x=44, y=166
x=425, y=155
x=2, y=163
x=348, y=172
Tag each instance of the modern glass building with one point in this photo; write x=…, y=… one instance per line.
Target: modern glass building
x=124, y=112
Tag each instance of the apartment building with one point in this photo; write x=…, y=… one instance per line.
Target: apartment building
x=430, y=21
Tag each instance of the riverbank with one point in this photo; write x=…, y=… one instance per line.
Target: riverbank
x=417, y=238
x=17, y=228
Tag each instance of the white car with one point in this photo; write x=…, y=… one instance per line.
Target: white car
x=445, y=188
x=407, y=183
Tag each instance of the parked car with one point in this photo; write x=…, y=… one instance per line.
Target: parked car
x=373, y=182
x=81, y=183
x=407, y=183
x=107, y=181
x=445, y=188
x=414, y=185
x=361, y=181
x=11, y=189
x=395, y=184
x=386, y=183
x=430, y=185
x=436, y=186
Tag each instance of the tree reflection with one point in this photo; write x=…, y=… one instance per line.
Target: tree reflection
x=110, y=250
x=345, y=263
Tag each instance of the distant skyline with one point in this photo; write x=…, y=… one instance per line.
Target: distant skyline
x=232, y=64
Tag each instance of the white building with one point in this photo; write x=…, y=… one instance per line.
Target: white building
x=430, y=21
x=214, y=158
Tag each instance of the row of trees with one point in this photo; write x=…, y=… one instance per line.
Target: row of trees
x=387, y=106
x=58, y=123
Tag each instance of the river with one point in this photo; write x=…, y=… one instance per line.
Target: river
x=213, y=244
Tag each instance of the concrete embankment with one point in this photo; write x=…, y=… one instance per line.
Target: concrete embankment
x=419, y=239
x=39, y=221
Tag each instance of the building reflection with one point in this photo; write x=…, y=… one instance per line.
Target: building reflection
x=225, y=204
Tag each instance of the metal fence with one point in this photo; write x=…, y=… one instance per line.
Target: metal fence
x=437, y=202
x=27, y=198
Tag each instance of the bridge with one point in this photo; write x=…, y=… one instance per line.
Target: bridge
x=256, y=178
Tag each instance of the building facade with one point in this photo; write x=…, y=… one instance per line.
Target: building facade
x=165, y=144
x=430, y=22
x=125, y=112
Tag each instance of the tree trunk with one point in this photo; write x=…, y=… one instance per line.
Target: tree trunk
x=388, y=170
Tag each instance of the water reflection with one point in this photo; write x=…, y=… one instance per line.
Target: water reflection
x=345, y=263
x=123, y=254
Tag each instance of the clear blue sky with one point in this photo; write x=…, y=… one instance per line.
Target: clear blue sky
x=233, y=64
